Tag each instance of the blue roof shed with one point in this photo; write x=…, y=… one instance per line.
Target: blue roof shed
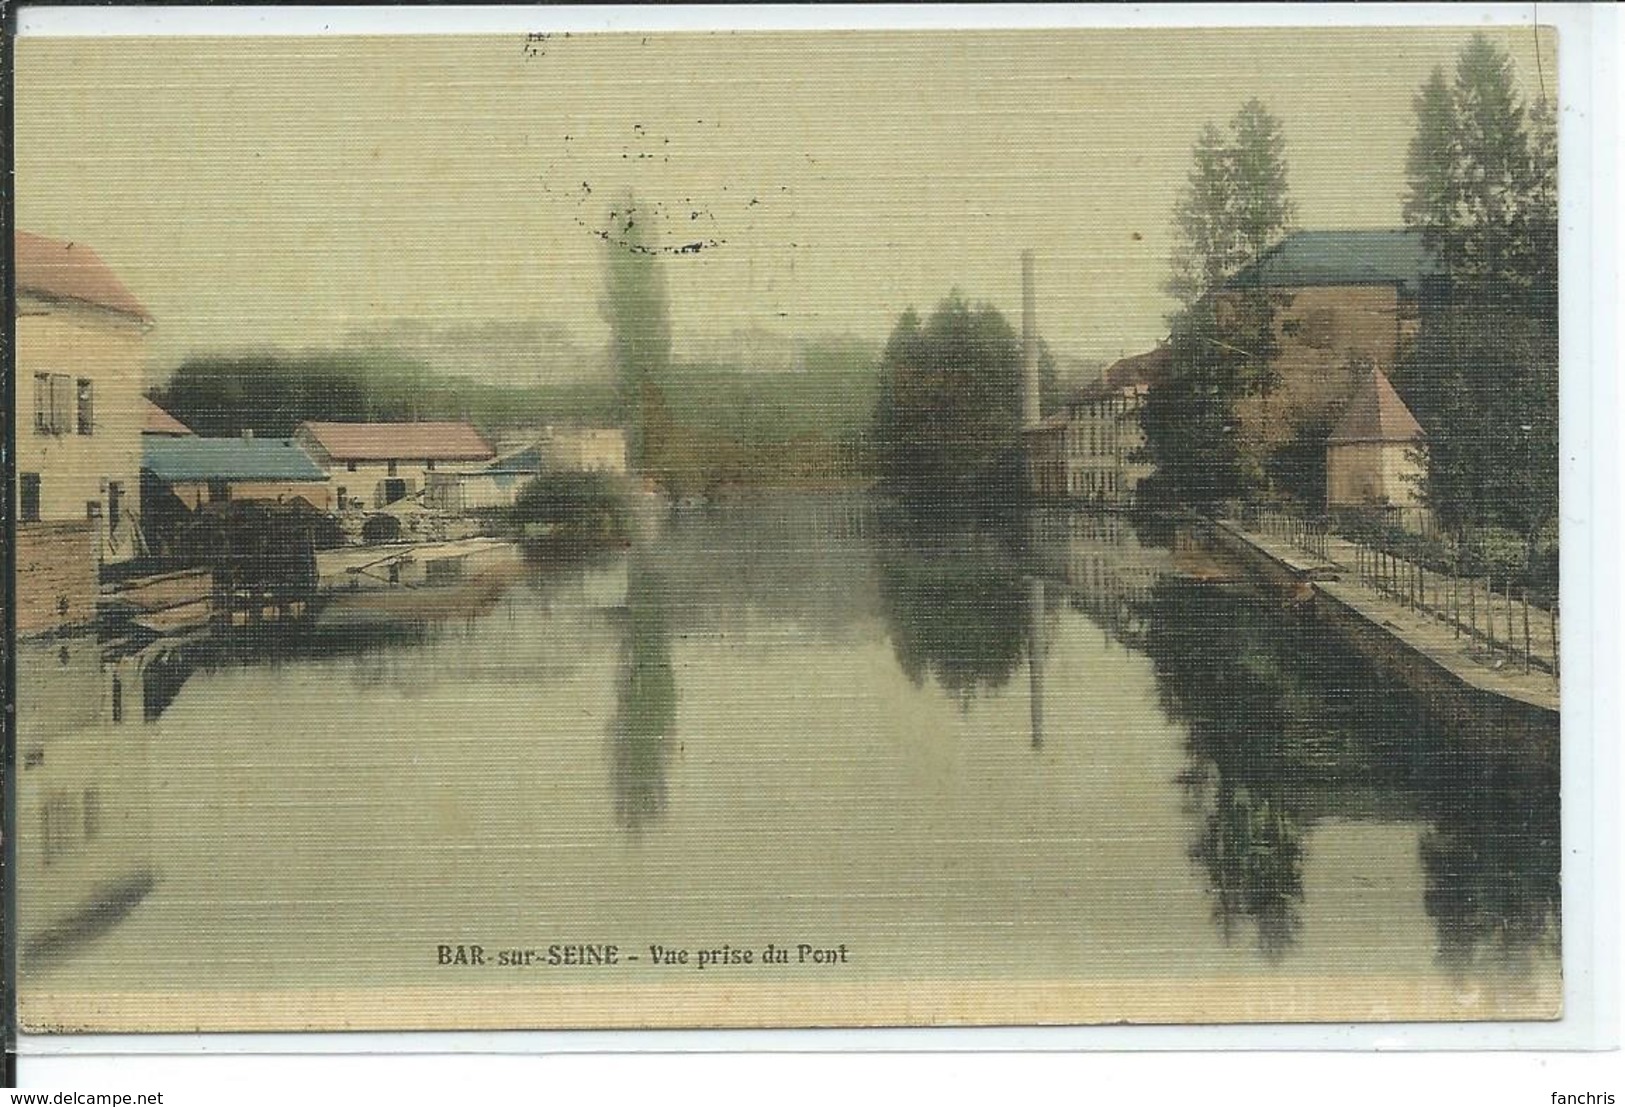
x=187, y=460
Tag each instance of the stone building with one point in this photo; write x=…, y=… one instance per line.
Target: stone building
x=1346, y=301
x=1371, y=455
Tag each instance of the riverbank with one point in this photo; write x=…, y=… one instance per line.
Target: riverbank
x=1428, y=655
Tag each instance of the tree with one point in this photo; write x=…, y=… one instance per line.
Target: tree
x=635, y=305
x=948, y=421
x=1234, y=210
x=1482, y=378
x=1433, y=168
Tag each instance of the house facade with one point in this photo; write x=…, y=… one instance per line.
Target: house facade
x=585, y=449
x=1092, y=449
x=78, y=420
x=372, y=465
x=493, y=485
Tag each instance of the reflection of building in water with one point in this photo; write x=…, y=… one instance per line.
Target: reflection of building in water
x=1107, y=573
x=83, y=803
x=1037, y=653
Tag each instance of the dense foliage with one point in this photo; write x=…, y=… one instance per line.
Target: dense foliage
x=586, y=507
x=947, y=422
x=1482, y=378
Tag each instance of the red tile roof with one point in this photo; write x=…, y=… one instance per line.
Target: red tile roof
x=1134, y=371
x=71, y=271
x=400, y=441
x=1147, y=369
x=159, y=421
x=1375, y=413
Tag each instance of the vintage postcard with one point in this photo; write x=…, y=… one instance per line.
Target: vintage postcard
x=787, y=528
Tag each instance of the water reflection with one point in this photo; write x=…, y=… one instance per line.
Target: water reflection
x=956, y=607
x=84, y=802
x=1491, y=858
x=645, y=722
x=1196, y=750
x=1286, y=729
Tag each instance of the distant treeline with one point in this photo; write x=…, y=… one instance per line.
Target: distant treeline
x=725, y=422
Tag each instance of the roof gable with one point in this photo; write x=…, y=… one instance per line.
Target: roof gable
x=60, y=270
x=156, y=420
x=1375, y=413
x=180, y=459
x=399, y=441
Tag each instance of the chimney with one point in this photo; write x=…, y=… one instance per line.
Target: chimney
x=1031, y=407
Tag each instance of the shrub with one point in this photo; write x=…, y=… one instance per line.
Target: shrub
x=576, y=505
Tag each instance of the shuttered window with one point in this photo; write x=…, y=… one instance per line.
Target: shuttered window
x=86, y=398
x=42, y=403
x=61, y=403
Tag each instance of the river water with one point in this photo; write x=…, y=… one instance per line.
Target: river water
x=1093, y=754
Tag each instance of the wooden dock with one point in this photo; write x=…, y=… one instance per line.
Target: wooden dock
x=396, y=565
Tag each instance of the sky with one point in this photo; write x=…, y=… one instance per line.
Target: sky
x=296, y=192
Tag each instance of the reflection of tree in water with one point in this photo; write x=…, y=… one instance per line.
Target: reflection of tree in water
x=646, y=701
x=1216, y=675
x=956, y=607
x=1492, y=859
x=1287, y=727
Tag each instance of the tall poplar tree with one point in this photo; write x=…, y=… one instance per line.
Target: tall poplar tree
x=1234, y=209
x=635, y=305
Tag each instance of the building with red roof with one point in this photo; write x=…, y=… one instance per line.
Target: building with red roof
x=79, y=417
x=1372, y=457
x=374, y=464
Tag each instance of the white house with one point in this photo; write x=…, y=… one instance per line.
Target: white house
x=375, y=464
x=78, y=421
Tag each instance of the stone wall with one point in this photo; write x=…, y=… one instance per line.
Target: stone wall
x=56, y=576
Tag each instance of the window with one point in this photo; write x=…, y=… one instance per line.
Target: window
x=350, y=466
x=90, y=809
x=115, y=498
x=219, y=491
x=42, y=403
x=28, y=497
x=57, y=815
x=86, y=397
x=428, y=464
x=52, y=402
x=61, y=403
x=391, y=469
x=118, y=700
